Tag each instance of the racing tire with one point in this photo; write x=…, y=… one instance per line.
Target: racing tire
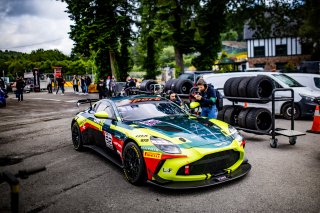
x=227, y=87
x=260, y=87
x=146, y=85
x=242, y=87
x=231, y=115
x=234, y=87
x=168, y=84
x=133, y=164
x=259, y=119
x=183, y=86
x=286, y=111
x=242, y=117
x=77, y=138
x=220, y=115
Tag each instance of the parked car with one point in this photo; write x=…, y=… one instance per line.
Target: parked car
x=305, y=98
x=309, y=80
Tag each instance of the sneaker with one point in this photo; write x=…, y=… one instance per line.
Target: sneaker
x=62, y=94
x=54, y=93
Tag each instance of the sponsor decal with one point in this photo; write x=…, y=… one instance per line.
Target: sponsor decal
x=144, y=140
x=150, y=148
x=154, y=155
x=142, y=136
x=151, y=122
x=145, y=99
x=166, y=170
x=108, y=139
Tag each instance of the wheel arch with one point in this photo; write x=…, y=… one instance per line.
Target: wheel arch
x=286, y=103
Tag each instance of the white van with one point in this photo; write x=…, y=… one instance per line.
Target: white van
x=305, y=98
x=309, y=80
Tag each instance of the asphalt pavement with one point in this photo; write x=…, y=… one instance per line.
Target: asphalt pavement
x=37, y=131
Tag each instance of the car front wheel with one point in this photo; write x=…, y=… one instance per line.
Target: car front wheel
x=133, y=164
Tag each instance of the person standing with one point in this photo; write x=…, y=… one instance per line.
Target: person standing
x=75, y=81
x=88, y=82
x=60, y=81
x=108, y=86
x=101, y=87
x=20, y=85
x=49, y=84
x=82, y=84
x=207, y=99
x=113, y=86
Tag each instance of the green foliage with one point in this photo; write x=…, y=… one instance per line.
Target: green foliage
x=16, y=63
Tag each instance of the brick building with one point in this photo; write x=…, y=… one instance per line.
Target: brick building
x=273, y=53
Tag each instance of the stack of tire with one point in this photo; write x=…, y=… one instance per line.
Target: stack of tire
x=236, y=89
x=146, y=85
x=180, y=86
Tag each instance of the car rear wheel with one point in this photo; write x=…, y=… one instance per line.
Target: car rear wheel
x=133, y=164
x=77, y=139
x=287, y=110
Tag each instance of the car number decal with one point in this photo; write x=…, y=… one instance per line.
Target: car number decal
x=108, y=139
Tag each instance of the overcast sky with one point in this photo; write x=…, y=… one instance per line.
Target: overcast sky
x=27, y=25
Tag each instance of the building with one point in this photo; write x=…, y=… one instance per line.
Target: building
x=274, y=53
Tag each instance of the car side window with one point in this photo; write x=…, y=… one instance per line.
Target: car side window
x=276, y=84
x=104, y=106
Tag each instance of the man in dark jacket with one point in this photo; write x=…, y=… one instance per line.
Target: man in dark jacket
x=20, y=85
x=101, y=87
x=60, y=82
x=207, y=99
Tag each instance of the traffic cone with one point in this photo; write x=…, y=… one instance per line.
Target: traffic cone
x=316, y=122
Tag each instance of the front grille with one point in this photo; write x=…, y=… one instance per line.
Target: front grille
x=212, y=163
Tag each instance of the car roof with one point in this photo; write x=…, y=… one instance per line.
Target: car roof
x=197, y=72
x=303, y=74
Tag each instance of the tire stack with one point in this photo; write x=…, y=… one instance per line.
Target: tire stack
x=146, y=85
x=260, y=88
x=180, y=86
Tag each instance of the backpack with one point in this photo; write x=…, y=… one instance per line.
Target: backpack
x=219, y=99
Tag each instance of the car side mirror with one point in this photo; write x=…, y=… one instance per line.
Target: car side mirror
x=101, y=114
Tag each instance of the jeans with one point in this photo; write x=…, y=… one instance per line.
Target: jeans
x=209, y=112
x=19, y=94
x=62, y=89
x=85, y=89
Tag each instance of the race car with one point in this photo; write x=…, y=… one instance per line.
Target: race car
x=156, y=141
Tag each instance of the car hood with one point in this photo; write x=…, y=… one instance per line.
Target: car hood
x=190, y=132
x=308, y=91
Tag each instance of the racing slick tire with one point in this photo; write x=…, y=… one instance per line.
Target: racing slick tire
x=77, y=138
x=242, y=117
x=170, y=84
x=231, y=115
x=227, y=87
x=259, y=119
x=220, y=115
x=242, y=87
x=234, y=87
x=133, y=164
x=146, y=85
x=183, y=86
x=260, y=87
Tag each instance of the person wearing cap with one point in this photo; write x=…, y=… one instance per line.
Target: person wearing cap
x=207, y=99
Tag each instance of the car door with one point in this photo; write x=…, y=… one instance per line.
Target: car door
x=103, y=137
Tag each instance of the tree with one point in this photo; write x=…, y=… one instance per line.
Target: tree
x=105, y=28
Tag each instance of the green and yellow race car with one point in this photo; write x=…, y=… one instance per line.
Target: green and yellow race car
x=155, y=140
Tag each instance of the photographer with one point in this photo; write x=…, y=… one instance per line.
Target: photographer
x=207, y=99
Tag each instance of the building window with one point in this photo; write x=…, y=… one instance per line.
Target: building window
x=281, y=50
x=258, y=51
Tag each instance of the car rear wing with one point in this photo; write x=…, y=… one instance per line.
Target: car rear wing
x=87, y=101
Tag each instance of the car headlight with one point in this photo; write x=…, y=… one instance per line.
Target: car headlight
x=165, y=146
x=307, y=97
x=236, y=135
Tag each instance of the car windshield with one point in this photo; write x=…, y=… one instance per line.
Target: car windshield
x=141, y=111
x=287, y=80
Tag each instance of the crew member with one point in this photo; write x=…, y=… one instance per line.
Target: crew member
x=207, y=99
x=173, y=97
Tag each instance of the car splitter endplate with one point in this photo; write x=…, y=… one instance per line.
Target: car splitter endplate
x=238, y=173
